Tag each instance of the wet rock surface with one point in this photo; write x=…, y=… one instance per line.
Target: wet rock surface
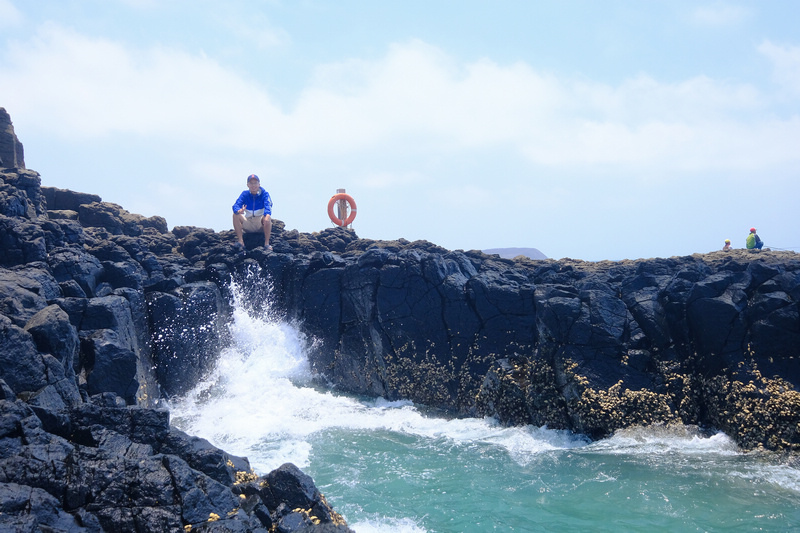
x=710, y=340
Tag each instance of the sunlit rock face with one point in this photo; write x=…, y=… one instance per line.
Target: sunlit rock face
x=709, y=340
x=11, y=152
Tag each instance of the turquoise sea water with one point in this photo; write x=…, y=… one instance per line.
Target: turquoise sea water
x=392, y=467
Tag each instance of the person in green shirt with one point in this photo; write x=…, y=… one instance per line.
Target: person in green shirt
x=754, y=241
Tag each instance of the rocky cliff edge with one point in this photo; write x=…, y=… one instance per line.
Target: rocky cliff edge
x=90, y=294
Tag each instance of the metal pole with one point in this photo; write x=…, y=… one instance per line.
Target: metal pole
x=341, y=207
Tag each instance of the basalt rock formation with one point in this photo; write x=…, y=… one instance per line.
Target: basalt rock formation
x=710, y=340
x=100, y=318
x=103, y=313
x=11, y=151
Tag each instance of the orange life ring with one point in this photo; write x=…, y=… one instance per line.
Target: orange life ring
x=347, y=198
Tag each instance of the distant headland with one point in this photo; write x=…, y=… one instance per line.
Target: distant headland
x=511, y=253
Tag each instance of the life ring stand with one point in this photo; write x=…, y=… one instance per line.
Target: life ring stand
x=347, y=198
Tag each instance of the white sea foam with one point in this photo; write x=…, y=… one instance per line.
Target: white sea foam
x=760, y=472
x=384, y=525
x=260, y=402
x=716, y=454
x=661, y=439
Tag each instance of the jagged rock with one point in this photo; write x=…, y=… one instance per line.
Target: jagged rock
x=80, y=449
x=33, y=509
x=22, y=242
x=53, y=333
x=66, y=200
x=115, y=354
x=124, y=469
x=11, y=151
x=710, y=339
x=110, y=217
x=26, y=291
x=110, y=365
x=22, y=366
x=74, y=264
x=187, y=325
x=625, y=343
x=336, y=239
x=202, y=456
x=294, y=501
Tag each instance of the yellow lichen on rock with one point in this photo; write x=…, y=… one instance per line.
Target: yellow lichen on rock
x=307, y=513
x=245, y=477
x=762, y=412
x=336, y=518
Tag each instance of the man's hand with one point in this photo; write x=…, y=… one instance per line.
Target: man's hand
x=240, y=211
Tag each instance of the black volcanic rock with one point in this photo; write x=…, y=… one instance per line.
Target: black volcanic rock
x=11, y=152
x=100, y=318
x=103, y=313
x=591, y=347
x=188, y=321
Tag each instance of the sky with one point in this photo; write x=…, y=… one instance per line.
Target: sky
x=591, y=130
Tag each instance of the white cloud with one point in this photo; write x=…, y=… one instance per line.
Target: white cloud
x=387, y=180
x=644, y=98
x=9, y=15
x=417, y=91
x=786, y=64
x=719, y=14
x=92, y=87
x=416, y=99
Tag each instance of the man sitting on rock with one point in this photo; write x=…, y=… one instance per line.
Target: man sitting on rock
x=753, y=240
x=252, y=212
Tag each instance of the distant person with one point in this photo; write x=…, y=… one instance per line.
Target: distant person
x=727, y=246
x=252, y=212
x=754, y=241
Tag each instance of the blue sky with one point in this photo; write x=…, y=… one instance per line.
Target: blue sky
x=591, y=130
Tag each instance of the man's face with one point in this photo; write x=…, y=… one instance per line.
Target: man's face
x=254, y=186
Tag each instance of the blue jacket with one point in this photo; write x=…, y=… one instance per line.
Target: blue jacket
x=255, y=205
